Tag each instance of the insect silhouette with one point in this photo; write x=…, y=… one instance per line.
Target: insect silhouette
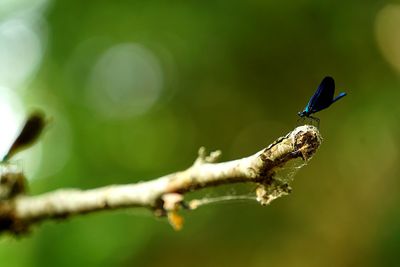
x=321, y=99
x=30, y=132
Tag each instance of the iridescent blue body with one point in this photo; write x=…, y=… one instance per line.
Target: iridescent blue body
x=321, y=99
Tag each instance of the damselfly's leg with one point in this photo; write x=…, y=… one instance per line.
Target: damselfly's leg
x=315, y=119
x=302, y=119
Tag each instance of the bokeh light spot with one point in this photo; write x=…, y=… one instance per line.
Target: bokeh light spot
x=9, y=6
x=57, y=144
x=126, y=81
x=11, y=115
x=20, y=52
x=387, y=30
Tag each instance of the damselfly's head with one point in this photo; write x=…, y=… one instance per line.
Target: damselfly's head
x=303, y=113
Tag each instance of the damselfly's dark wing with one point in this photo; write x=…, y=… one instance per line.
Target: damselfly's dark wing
x=323, y=97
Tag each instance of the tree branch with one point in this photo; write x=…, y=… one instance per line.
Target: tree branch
x=270, y=168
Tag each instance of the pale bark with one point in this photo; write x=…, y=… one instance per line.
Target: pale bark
x=271, y=168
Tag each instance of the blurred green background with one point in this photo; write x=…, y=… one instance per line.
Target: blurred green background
x=134, y=88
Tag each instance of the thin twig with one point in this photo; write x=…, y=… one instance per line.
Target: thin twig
x=164, y=195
